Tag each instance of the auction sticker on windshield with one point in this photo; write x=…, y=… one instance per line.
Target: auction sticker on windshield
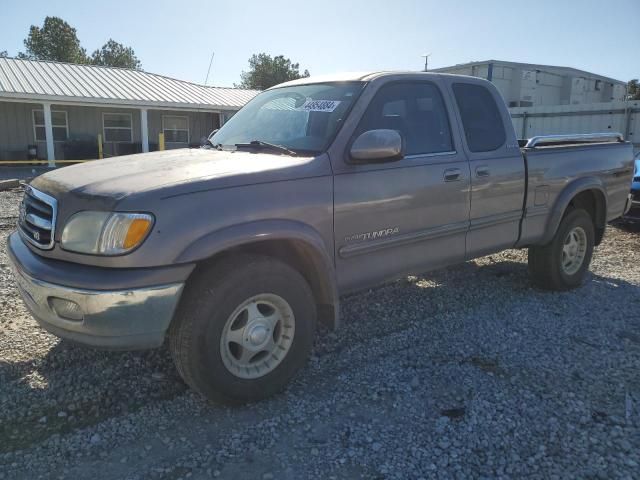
x=319, y=105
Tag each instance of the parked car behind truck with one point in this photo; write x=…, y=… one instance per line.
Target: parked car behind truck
x=634, y=212
x=315, y=188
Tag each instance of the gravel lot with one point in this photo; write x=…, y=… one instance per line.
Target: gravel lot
x=465, y=372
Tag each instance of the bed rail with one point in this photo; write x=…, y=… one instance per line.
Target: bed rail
x=549, y=140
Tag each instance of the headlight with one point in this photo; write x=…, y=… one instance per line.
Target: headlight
x=105, y=233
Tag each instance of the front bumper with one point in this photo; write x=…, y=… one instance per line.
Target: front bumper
x=123, y=318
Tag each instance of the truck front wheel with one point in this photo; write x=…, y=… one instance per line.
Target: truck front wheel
x=563, y=263
x=244, y=327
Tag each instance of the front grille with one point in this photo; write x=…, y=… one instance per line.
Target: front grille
x=37, y=218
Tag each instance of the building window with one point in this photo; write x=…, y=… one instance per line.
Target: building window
x=224, y=117
x=175, y=129
x=59, y=124
x=117, y=127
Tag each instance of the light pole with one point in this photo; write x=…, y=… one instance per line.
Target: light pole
x=426, y=61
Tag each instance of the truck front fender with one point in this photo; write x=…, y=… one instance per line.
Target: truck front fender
x=303, y=246
x=571, y=191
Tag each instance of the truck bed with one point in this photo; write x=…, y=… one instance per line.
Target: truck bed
x=559, y=164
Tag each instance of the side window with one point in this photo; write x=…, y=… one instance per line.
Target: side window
x=416, y=111
x=59, y=124
x=481, y=118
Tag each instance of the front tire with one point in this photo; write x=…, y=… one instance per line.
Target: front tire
x=563, y=263
x=244, y=327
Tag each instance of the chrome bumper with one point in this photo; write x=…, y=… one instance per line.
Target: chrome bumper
x=633, y=203
x=119, y=319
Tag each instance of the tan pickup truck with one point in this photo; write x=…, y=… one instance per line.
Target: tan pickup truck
x=317, y=187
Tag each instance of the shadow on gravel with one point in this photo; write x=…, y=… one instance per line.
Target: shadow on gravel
x=630, y=226
x=73, y=387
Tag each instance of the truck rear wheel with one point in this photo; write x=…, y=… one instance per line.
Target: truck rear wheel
x=563, y=263
x=244, y=327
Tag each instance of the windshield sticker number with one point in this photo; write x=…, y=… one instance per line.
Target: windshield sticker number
x=319, y=105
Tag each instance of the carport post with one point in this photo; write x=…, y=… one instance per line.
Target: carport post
x=144, y=130
x=48, y=132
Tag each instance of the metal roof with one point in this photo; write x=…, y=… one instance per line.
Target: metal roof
x=36, y=80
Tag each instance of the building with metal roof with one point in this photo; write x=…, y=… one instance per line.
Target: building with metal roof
x=528, y=85
x=54, y=110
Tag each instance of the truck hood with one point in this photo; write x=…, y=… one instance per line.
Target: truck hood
x=173, y=172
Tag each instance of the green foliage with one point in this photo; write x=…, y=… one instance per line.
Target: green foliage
x=633, y=89
x=56, y=40
x=266, y=71
x=114, y=54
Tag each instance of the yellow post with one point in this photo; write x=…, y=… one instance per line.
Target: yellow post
x=161, y=141
x=100, y=146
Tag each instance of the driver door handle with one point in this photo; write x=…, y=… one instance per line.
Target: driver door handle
x=483, y=171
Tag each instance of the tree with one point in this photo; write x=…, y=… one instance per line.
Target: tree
x=114, y=54
x=56, y=40
x=4, y=54
x=633, y=89
x=265, y=71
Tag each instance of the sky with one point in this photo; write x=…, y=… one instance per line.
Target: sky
x=176, y=38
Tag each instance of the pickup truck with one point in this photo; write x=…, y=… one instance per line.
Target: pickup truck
x=234, y=252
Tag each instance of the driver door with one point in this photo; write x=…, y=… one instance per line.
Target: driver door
x=405, y=216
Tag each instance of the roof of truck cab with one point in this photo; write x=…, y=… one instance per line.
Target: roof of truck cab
x=361, y=77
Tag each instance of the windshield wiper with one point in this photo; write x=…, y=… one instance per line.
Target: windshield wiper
x=217, y=146
x=260, y=143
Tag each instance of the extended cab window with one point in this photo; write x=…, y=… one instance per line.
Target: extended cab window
x=416, y=111
x=481, y=118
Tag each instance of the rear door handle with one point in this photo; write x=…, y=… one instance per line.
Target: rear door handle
x=483, y=171
x=452, y=174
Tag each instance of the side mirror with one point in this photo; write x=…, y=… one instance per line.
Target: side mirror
x=373, y=146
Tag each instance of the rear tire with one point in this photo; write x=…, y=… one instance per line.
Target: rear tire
x=562, y=264
x=229, y=337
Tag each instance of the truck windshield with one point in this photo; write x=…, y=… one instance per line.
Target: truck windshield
x=303, y=118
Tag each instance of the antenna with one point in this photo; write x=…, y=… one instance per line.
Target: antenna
x=202, y=141
x=426, y=61
x=209, y=69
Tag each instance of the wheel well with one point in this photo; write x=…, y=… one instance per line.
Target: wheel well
x=594, y=203
x=306, y=260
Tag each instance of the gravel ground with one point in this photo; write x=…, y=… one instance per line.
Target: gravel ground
x=464, y=372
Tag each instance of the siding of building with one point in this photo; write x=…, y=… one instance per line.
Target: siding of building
x=85, y=123
x=201, y=124
x=533, y=85
x=86, y=93
x=16, y=129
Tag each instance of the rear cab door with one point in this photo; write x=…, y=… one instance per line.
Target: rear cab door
x=497, y=167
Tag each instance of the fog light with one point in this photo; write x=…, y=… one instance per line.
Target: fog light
x=66, y=309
